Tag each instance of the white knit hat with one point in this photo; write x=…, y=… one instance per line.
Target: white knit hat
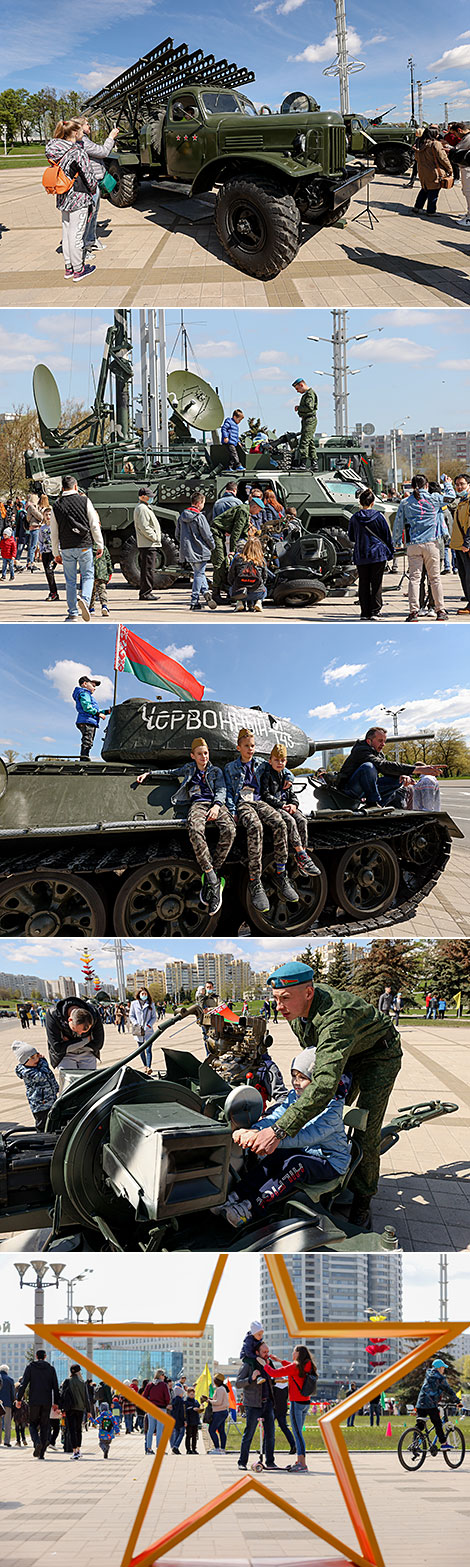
x=23, y=1051
x=256, y=1327
x=305, y=1061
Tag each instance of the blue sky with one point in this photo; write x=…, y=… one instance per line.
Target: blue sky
x=331, y=680
x=414, y=367
x=62, y=955
x=287, y=43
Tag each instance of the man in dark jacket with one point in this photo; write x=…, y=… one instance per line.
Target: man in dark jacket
x=157, y=1393
x=75, y=1034
x=75, y=526
x=258, y=1400
x=358, y=775
x=41, y=1380
x=385, y=1000
x=7, y=1396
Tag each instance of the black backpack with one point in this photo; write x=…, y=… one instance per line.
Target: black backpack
x=309, y=1385
x=249, y=576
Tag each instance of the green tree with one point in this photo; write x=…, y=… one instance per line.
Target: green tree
x=408, y=1390
x=340, y=969
x=447, y=969
x=19, y=431
x=314, y=957
x=395, y=963
x=450, y=749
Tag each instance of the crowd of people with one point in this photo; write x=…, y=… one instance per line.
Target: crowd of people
x=441, y=159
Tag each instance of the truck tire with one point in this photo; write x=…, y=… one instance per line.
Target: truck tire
x=393, y=160
x=129, y=563
x=334, y=217
x=127, y=185
x=258, y=225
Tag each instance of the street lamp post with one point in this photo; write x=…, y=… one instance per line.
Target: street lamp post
x=342, y=66
x=339, y=341
x=39, y=1284
x=393, y=712
x=412, y=88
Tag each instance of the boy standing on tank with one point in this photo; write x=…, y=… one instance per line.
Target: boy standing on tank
x=203, y=794
x=88, y=713
x=276, y=784
x=244, y=801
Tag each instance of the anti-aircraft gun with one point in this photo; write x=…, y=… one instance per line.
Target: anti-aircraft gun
x=132, y=1163
x=87, y=851
x=187, y=126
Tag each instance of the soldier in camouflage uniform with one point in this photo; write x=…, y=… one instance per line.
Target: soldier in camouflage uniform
x=235, y=521
x=307, y=411
x=346, y=1031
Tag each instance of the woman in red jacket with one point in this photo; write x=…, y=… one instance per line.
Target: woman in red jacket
x=301, y=1375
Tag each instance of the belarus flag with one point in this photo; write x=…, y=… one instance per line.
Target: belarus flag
x=154, y=668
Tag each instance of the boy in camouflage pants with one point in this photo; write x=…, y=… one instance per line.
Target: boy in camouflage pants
x=202, y=795
x=251, y=812
x=103, y=568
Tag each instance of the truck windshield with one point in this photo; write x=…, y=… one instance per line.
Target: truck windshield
x=227, y=103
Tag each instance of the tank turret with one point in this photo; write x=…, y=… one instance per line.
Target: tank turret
x=153, y=732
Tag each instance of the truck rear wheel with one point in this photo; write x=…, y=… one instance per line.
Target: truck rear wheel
x=129, y=563
x=258, y=225
x=393, y=160
x=126, y=188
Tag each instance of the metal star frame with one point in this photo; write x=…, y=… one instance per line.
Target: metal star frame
x=433, y=1337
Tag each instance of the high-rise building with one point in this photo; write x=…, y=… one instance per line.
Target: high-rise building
x=67, y=986
x=24, y=983
x=146, y=977
x=333, y=1288
x=181, y=976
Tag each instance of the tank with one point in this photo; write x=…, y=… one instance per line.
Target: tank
x=87, y=851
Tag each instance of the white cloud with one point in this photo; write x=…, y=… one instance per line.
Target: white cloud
x=272, y=356
x=337, y=672
x=459, y=57
x=266, y=5
x=21, y=351
x=66, y=672
x=392, y=350
x=289, y=5
x=328, y=710
x=315, y=54
x=454, y=364
x=435, y=89
x=98, y=77
x=267, y=373
x=49, y=738
x=181, y=654
x=433, y=712
x=48, y=40
x=388, y=647
x=378, y=38
x=219, y=350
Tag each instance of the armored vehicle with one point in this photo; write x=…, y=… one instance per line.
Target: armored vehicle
x=390, y=147
x=131, y=1163
x=186, y=125
x=86, y=850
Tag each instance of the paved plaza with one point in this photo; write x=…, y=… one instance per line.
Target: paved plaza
x=425, y=1180
x=26, y=600
x=81, y=1512
x=167, y=249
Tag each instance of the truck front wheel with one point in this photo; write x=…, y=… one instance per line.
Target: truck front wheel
x=126, y=187
x=394, y=160
x=258, y=225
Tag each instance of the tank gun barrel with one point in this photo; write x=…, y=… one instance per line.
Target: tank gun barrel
x=340, y=745
x=162, y=71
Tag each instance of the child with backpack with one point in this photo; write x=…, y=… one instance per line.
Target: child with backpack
x=247, y=576
x=108, y=1428
x=73, y=181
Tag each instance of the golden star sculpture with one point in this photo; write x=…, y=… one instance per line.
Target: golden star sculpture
x=433, y=1337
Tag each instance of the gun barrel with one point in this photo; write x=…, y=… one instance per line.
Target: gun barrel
x=339, y=745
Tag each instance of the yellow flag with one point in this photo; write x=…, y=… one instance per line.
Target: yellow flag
x=204, y=1387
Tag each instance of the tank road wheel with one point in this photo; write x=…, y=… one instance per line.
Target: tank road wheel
x=290, y=918
x=126, y=188
x=163, y=900
x=394, y=160
x=305, y=591
x=423, y=843
x=50, y=903
x=367, y=879
x=258, y=225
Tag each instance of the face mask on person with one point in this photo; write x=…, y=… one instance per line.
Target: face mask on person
x=142, y=995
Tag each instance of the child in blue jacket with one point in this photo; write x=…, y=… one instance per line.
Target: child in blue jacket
x=39, y=1081
x=88, y=713
x=108, y=1428
x=319, y=1152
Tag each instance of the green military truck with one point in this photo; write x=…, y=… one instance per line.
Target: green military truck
x=186, y=124
x=389, y=147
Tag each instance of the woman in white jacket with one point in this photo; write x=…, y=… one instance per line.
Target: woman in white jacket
x=143, y=1018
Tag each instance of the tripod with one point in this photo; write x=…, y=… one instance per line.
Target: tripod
x=365, y=212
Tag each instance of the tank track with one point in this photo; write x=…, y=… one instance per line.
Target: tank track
x=416, y=881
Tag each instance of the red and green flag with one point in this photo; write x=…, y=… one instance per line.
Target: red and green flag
x=154, y=668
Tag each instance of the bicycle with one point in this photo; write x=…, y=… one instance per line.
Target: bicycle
x=415, y=1444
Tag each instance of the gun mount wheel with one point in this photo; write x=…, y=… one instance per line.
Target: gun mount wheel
x=308, y=590
x=258, y=225
x=126, y=188
x=288, y=918
x=393, y=160
x=367, y=879
x=46, y=903
x=329, y=551
x=162, y=899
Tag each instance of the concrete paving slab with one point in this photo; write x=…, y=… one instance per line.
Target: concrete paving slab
x=408, y=259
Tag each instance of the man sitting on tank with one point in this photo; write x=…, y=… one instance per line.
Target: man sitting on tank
x=318, y=1152
x=367, y=774
x=203, y=797
x=276, y=783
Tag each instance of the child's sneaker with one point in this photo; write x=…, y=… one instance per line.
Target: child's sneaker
x=204, y=893
x=306, y=864
x=258, y=897
x=68, y=272
x=104, y=610
x=77, y=277
x=214, y=894
x=285, y=887
x=239, y=1213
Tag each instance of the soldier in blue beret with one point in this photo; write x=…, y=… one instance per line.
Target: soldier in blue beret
x=347, y=1032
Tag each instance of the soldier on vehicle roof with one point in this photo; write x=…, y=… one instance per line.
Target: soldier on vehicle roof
x=307, y=411
x=347, y=1032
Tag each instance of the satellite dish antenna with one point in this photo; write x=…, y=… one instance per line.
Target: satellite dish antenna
x=369, y=429
x=194, y=400
x=48, y=405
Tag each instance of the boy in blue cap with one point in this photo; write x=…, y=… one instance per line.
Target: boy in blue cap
x=88, y=712
x=320, y=1152
x=429, y=1397
x=348, y=1033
